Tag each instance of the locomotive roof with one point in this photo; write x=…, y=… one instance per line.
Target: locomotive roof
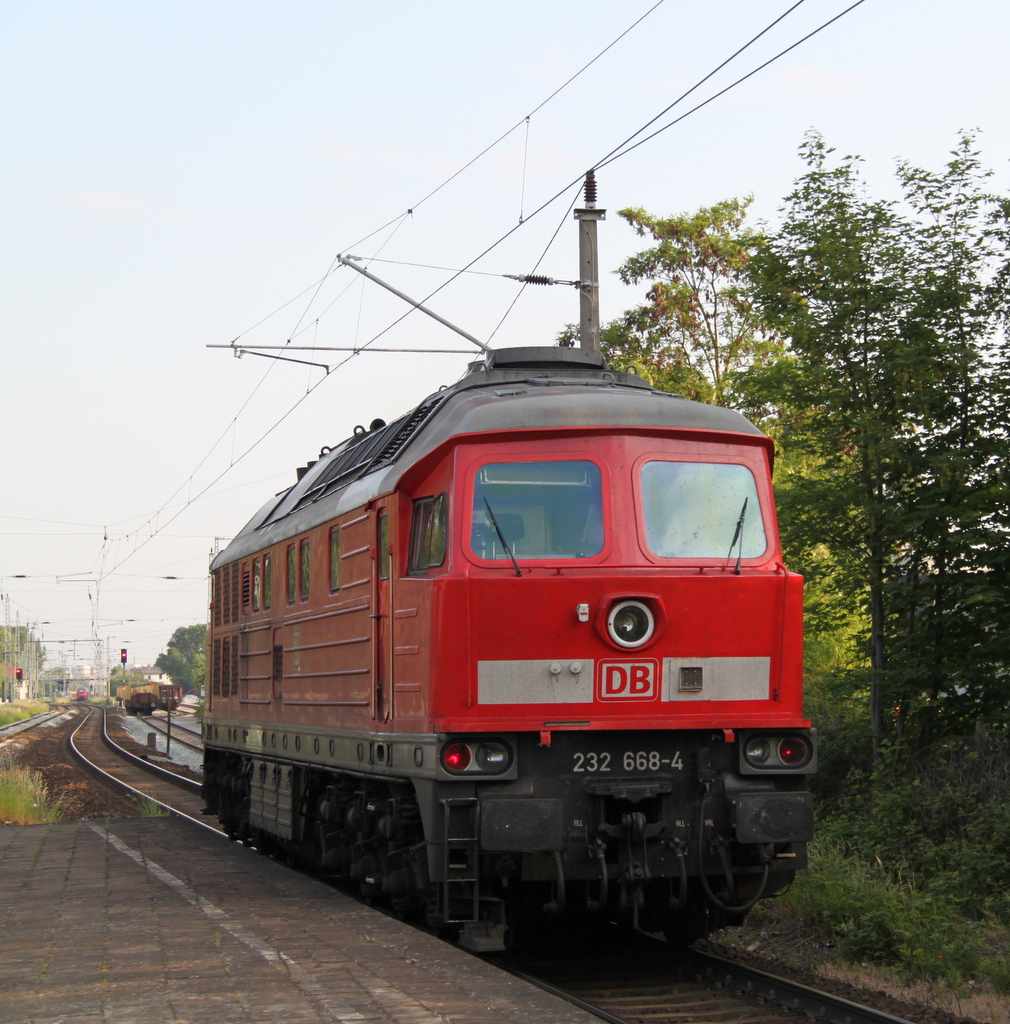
x=518, y=388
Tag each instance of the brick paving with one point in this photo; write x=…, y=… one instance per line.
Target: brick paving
x=156, y=921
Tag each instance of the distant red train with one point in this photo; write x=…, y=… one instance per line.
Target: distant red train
x=530, y=649
x=81, y=695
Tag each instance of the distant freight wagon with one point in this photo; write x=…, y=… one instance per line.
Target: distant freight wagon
x=143, y=698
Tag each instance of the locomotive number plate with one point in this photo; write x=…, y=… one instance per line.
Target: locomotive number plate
x=628, y=761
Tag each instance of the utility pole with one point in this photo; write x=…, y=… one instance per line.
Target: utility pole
x=589, y=268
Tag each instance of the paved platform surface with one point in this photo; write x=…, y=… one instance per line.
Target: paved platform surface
x=157, y=921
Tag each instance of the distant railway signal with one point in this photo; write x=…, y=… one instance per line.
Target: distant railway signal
x=122, y=655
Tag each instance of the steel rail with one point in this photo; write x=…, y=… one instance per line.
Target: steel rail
x=118, y=784
x=734, y=980
x=158, y=724
x=144, y=765
x=788, y=995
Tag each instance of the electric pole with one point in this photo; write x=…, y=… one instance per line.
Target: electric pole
x=589, y=268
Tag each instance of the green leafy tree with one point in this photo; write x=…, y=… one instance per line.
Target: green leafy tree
x=699, y=325
x=184, y=658
x=887, y=416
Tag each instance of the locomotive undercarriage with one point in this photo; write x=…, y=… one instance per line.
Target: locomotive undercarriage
x=666, y=838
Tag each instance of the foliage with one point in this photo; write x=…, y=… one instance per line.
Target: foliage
x=942, y=816
x=19, y=710
x=873, y=915
x=184, y=658
x=699, y=325
x=892, y=421
x=24, y=799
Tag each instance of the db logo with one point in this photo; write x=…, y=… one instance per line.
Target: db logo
x=628, y=680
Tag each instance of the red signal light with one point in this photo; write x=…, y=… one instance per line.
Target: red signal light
x=122, y=655
x=19, y=674
x=456, y=757
x=793, y=751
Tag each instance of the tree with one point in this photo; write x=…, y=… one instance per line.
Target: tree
x=184, y=658
x=699, y=325
x=887, y=415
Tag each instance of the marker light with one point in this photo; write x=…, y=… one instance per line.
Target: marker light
x=793, y=751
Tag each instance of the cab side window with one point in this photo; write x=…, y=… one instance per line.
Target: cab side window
x=428, y=533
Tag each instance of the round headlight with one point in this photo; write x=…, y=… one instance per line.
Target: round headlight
x=793, y=751
x=456, y=757
x=757, y=750
x=630, y=623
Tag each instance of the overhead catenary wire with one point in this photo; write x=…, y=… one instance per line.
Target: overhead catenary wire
x=615, y=153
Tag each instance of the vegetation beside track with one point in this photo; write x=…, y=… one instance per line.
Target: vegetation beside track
x=19, y=710
x=24, y=798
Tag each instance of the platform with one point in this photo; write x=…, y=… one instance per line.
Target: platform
x=156, y=921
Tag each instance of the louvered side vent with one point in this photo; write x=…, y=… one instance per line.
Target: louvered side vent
x=234, y=592
x=246, y=590
x=216, y=596
x=226, y=667
x=233, y=674
x=224, y=597
x=215, y=670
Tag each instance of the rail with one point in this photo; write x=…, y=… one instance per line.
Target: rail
x=674, y=989
x=137, y=762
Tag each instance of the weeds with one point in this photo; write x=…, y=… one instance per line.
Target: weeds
x=19, y=710
x=24, y=799
x=148, y=808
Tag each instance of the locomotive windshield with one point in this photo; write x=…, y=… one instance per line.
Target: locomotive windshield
x=540, y=509
x=702, y=510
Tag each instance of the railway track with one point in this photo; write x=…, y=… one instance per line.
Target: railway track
x=635, y=979
x=181, y=734
x=621, y=977
x=123, y=772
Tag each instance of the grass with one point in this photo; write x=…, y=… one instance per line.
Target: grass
x=873, y=914
x=147, y=808
x=19, y=710
x=24, y=799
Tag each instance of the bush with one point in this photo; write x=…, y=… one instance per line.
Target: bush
x=874, y=917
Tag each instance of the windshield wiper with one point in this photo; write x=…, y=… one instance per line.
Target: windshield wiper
x=738, y=535
x=505, y=543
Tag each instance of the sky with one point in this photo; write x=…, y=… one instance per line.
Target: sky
x=182, y=175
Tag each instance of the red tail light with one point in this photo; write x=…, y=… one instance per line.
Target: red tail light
x=456, y=757
x=793, y=751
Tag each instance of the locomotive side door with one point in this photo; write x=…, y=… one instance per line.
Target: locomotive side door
x=382, y=616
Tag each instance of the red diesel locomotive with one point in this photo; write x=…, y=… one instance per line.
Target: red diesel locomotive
x=529, y=649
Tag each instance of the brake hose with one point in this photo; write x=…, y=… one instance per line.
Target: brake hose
x=743, y=907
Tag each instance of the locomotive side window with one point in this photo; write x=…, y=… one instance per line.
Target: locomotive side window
x=383, y=546
x=267, y=582
x=292, y=574
x=257, y=585
x=428, y=534
x=335, y=559
x=303, y=575
x=702, y=510
x=537, y=509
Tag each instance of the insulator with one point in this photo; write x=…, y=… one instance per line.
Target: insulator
x=590, y=187
x=538, y=279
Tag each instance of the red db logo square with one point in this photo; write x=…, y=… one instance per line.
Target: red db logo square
x=628, y=680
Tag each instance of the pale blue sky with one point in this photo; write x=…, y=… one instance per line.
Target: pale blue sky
x=172, y=172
